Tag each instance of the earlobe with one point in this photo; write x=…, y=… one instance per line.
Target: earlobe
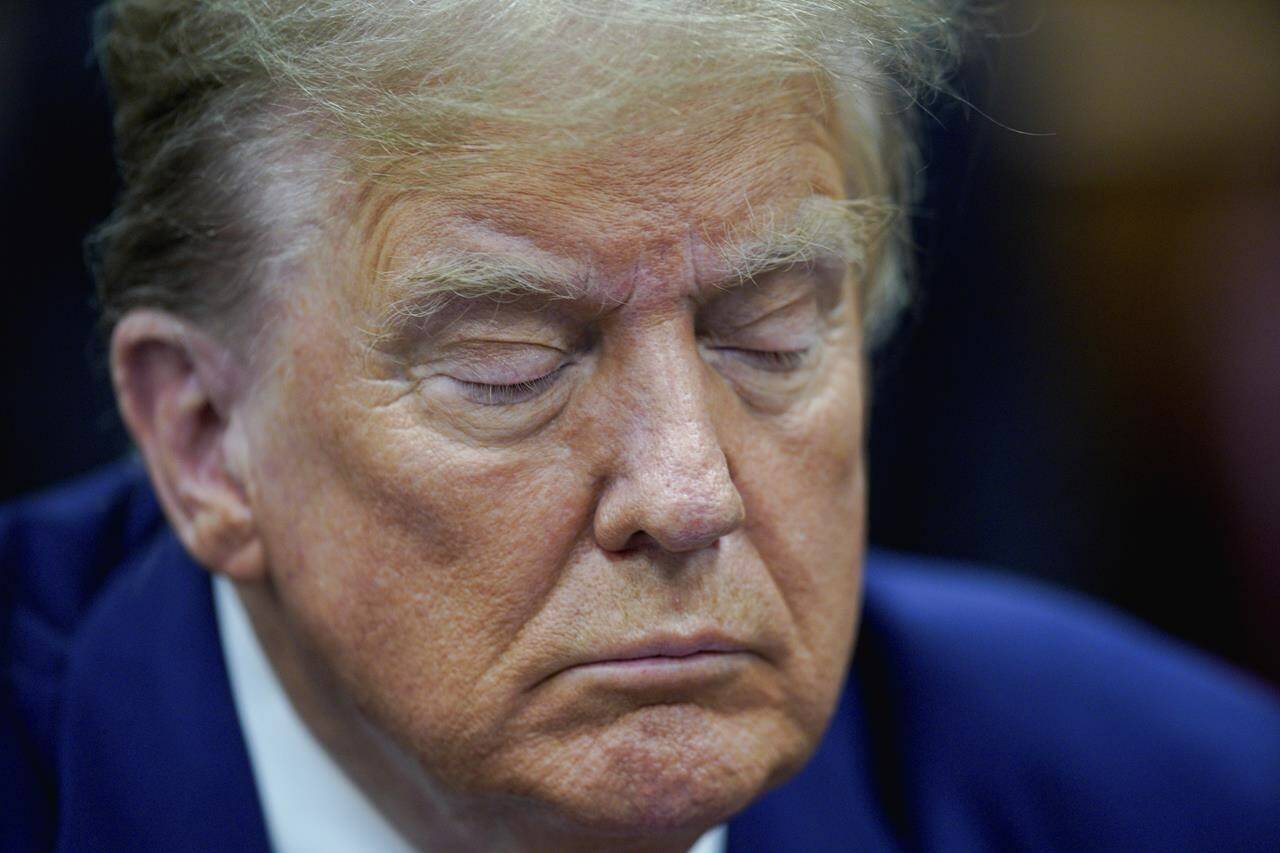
x=179, y=392
x=222, y=537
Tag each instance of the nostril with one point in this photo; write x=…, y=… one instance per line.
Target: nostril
x=635, y=518
x=639, y=540
x=689, y=528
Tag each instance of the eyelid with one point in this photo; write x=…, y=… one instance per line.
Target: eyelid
x=780, y=330
x=772, y=360
x=500, y=362
x=789, y=314
x=499, y=394
x=795, y=312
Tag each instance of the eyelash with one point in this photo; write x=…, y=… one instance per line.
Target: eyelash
x=516, y=392
x=779, y=361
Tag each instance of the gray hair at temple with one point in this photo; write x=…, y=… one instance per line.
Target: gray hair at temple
x=240, y=122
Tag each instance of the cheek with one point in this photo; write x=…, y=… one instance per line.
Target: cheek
x=410, y=562
x=803, y=485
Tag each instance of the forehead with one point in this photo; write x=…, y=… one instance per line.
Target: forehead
x=612, y=214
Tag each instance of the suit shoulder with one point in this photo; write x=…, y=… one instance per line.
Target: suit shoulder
x=1024, y=694
x=59, y=546
x=58, y=551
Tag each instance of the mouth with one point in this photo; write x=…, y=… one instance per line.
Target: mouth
x=666, y=662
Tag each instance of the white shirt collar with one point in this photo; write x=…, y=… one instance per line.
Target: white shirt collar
x=310, y=804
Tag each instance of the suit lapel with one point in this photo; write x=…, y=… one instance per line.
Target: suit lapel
x=150, y=755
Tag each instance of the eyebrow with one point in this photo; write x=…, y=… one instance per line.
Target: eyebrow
x=819, y=228
x=432, y=283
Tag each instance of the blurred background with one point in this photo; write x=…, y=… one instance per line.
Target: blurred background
x=1087, y=390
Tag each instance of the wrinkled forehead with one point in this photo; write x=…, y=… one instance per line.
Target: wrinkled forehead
x=676, y=197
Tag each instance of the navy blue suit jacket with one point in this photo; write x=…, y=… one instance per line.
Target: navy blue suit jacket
x=980, y=713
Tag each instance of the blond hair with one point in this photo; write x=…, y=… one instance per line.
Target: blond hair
x=221, y=103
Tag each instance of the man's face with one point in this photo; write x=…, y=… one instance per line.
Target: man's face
x=597, y=554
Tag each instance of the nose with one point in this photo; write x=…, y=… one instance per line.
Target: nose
x=671, y=482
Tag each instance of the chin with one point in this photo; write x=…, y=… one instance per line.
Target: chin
x=668, y=769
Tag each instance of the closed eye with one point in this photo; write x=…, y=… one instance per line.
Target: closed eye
x=487, y=394
x=779, y=361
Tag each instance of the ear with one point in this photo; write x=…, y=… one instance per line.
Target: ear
x=180, y=393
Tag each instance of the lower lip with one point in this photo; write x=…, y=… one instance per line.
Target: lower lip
x=658, y=671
